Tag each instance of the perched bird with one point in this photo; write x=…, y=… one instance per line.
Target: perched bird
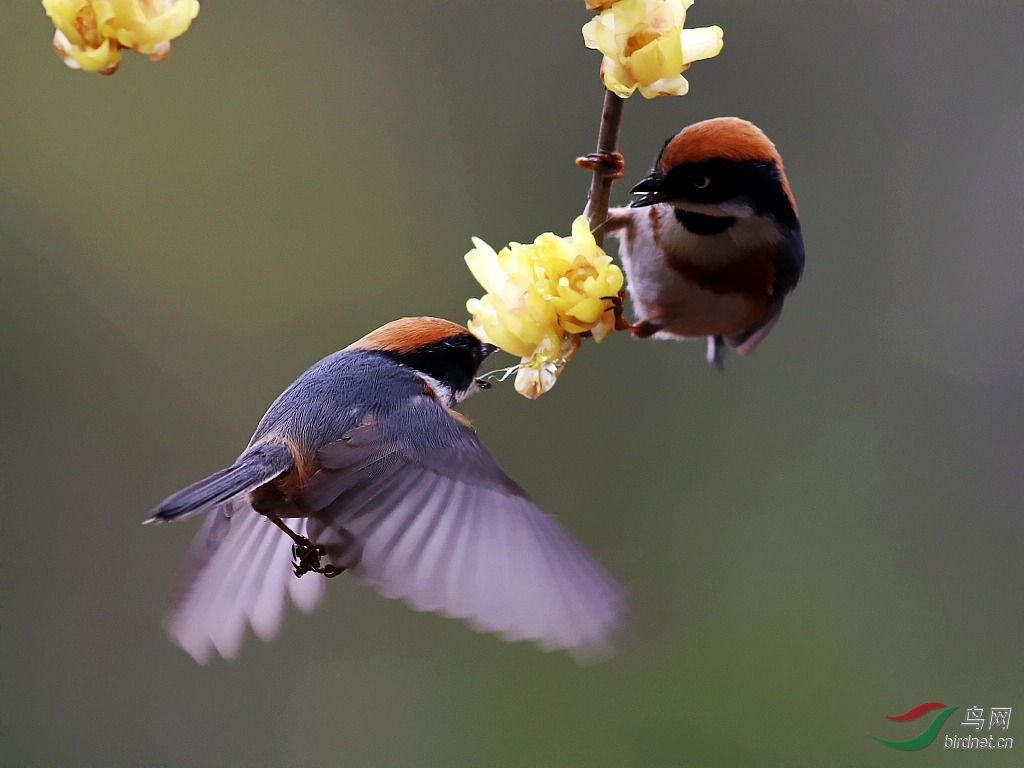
x=362, y=465
x=712, y=245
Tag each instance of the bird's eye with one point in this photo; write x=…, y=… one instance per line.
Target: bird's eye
x=701, y=182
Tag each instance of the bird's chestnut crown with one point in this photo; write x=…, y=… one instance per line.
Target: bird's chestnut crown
x=440, y=349
x=720, y=162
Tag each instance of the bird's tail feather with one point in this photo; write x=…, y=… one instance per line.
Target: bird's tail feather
x=256, y=466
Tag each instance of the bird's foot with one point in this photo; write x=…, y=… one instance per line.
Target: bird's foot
x=609, y=163
x=617, y=305
x=307, y=556
x=643, y=329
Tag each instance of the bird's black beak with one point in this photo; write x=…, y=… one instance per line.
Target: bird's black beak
x=487, y=350
x=651, y=190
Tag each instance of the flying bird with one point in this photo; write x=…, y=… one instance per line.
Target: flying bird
x=362, y=466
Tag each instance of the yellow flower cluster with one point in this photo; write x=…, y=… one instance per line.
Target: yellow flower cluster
x=645, y=46
x=540, y=298
x=91, y=33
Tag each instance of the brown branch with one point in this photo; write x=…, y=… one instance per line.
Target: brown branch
x=606, y=169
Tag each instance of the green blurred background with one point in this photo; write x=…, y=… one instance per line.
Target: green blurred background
x=828, y=533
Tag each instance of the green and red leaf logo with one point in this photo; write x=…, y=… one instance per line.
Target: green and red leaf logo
x=926, y=736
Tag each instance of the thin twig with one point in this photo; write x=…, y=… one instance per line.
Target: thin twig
x=601, y=184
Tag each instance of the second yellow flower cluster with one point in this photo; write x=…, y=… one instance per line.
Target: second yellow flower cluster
x=91, y=33
x=645, y=46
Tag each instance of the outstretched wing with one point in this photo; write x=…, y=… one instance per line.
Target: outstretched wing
x=238, y=573
x=417, y=507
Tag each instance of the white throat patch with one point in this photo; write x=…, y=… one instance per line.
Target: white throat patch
x=443, y=391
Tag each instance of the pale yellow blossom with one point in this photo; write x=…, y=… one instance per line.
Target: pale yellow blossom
x=540, y=297
x=645, y=46
x=91, y=33
x=599, y=5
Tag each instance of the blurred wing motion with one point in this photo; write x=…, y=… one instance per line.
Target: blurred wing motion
x=238, y=573
x=426, y=515
x=422, y=512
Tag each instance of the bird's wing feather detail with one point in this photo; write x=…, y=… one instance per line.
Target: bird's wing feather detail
x=238, y=573
x=746, y=341
x=789, y=265
x=425, y=514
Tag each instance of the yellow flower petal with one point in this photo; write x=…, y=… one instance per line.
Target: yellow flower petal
x=669, y=86
x=701, y=43
x=104, y=59
x=616, y=79
x=582, y=237
x=483, y=264
x=539, y=373
x=603, y=327
x=587, y=312
x=661, y=57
